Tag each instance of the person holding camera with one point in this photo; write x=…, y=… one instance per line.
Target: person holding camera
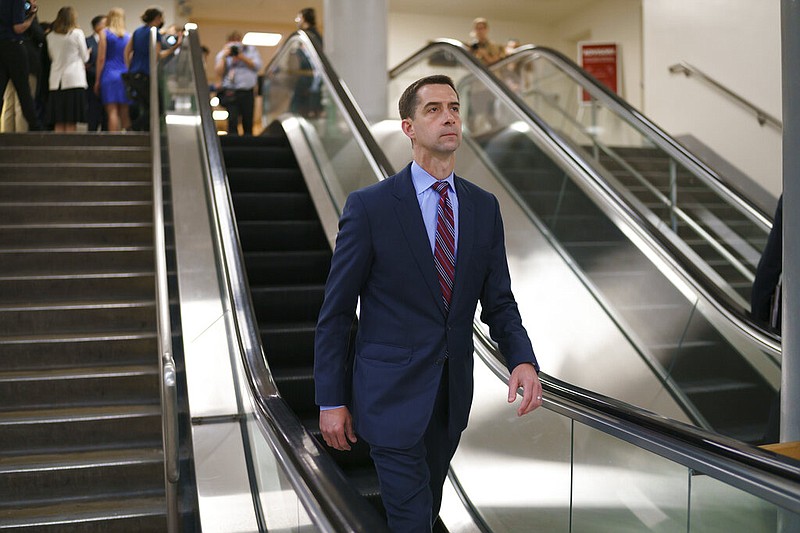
x=237, y=65
x=16, y=16
x=137, y=57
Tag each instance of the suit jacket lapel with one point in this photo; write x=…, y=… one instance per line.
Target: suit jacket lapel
x=410, y=217
x=466, y=233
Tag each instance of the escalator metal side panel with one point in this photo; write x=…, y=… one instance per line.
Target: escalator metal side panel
x=218, y=452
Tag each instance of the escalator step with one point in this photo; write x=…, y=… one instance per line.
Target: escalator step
x=294, y=303
x=274, y=206
x=289, y=344
x=266, y=180
x=266, y=157
x=282, y=235
x=276, y=268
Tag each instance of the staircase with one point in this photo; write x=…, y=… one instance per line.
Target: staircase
x=80, y=416
x=737, y=235
x=732, y=397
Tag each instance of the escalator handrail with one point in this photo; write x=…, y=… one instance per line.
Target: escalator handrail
x=330, y=500
x=639, y=121
x=768, y=340
x=756, y=471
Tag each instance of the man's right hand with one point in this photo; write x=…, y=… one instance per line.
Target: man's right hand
x=337, y=428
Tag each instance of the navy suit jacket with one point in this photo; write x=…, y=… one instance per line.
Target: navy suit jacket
x=383, y=256
x=91, y=65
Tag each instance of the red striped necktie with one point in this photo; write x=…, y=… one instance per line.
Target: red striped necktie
x=444, y=252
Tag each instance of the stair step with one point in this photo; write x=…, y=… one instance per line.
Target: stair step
x=60, y=235
x=76, y=191
x=291, y=267
x=79, y=428
x=282, y=235
x=79, y=386
x=289, y=343
x=50, y=478
x=74, y=349
x=12, y=213
x=79, y=140
x=79, y=287
x=274, y=206
x=65, y=172
x=46, y=319
x=68, y=154
x=73, y=260
x=266, y=180
x=128, y=514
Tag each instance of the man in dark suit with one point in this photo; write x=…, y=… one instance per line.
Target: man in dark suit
x=419, y=250
x=95, y=113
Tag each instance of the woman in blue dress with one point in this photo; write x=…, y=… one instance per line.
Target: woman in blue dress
x=110, y=67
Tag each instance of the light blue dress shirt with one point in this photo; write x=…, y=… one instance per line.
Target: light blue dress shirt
x=428, y=200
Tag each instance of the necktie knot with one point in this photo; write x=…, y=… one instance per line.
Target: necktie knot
x=440, y=187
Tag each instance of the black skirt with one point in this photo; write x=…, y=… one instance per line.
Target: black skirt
x=67, y=106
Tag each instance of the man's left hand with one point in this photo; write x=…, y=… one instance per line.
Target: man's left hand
x=524, y=375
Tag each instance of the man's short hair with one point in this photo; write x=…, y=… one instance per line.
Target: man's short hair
x=96, y=20
x=151, y=13
x=408, y=100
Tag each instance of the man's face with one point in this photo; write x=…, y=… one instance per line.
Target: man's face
x=101, y=25
x=436, y=124
x=481, y=30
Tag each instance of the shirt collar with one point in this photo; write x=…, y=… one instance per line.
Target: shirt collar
x=424, y=181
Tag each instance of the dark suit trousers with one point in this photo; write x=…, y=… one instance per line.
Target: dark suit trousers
x=412, y=480
x=241, y=108
x=14, y=67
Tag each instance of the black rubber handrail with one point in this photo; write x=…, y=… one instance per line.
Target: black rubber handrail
x=334, y=504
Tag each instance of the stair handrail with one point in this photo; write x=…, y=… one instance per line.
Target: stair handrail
x=167, y=370
x=328, y=497
x=689, y=70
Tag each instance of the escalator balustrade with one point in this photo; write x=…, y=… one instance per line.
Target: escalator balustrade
x=727, y=393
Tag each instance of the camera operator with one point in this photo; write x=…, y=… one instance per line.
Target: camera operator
x=16, y=16
x=237, y=66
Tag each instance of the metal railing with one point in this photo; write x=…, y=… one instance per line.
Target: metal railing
x=762, y=116
x=328, y=498
x=168, y=372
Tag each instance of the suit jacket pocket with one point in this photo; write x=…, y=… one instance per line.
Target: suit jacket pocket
x=384, y=353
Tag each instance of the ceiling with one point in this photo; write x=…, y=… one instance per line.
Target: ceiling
x=284, y=11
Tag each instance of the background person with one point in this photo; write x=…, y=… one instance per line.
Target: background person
x=307, y=98
x=110, y=67
x=66, y=44
x=137, y=57
x=95, y=114
x=14, y=67
x=418, y=250
x=237, y=66
x=33, y=40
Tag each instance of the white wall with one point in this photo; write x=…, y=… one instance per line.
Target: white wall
x=616, y=21
x=737, y=42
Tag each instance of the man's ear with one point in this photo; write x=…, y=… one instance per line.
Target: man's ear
x=408, y=128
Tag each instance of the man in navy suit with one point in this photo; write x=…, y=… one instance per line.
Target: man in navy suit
x=407, y=386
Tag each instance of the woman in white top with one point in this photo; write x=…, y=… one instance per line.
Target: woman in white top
x=66, y=45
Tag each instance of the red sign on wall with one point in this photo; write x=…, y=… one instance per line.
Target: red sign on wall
x=601, y=60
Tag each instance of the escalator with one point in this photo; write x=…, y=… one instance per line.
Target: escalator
x=576, y=448
x=287, y=257
x=690, y=201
